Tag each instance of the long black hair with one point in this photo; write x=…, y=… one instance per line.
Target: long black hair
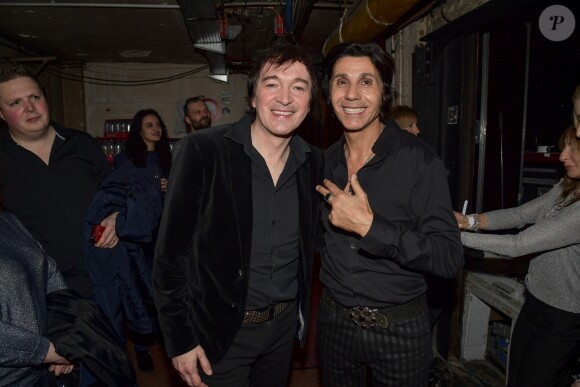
x=136, y=148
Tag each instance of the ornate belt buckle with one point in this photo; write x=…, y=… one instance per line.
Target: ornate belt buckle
x=363, y=316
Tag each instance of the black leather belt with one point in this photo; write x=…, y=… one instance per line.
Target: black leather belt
x=268, y=313
x=367, y=317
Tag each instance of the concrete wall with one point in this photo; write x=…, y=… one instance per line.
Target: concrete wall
x=402, y=45
x=110, y=94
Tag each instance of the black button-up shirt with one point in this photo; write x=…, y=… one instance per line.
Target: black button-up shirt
x=413, y=230
x=275, y=251
x=51, y=200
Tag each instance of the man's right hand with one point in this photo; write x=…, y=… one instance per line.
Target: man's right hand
x=186, y=365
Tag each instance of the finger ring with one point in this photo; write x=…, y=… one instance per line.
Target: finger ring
x=328, y=196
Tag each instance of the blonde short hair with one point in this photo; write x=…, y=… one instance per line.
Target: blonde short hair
x=403, y=115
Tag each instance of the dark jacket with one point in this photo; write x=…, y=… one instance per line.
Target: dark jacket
x=121, y=276
x=203, y=248
x=81, y=333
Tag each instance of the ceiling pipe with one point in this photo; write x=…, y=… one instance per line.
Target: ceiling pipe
x=368, y=18
x=240, y=4
x=89, y=5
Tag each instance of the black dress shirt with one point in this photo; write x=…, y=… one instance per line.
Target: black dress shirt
x=275, y=251
x=51, y=200
x=413, y=229
x=204, y=248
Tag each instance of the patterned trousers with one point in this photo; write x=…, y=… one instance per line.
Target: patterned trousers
x=399, y=355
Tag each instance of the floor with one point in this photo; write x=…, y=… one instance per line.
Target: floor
x=165, y=375
x=446, y=374
x=476, y=373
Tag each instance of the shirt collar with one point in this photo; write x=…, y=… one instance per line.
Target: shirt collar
x=386, y=144
x=240, y=133
x=59, y=130
x=389, y=140
x=5, y=136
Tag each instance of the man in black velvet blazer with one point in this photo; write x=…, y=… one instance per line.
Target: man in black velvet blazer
x=233, y=258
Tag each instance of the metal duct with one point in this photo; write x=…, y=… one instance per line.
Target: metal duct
x=202, y=22
x=368, y=18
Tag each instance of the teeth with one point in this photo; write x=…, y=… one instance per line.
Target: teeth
x=353, y=110
x=282, y=113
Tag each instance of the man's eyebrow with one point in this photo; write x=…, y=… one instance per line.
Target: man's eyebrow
x=301, y=80
x=275, y=77
x=269, y=78
x=361, y=75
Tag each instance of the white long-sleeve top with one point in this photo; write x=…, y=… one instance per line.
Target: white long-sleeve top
x=554, y=234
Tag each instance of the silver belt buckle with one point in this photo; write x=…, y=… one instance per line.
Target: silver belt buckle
x=363, y=316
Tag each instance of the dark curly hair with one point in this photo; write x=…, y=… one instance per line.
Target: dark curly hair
x=136, y=149
x=379, y=58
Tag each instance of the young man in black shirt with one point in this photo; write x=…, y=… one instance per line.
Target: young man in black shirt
x=50, y=174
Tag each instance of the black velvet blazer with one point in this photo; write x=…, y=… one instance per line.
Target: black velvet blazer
x=203, y=248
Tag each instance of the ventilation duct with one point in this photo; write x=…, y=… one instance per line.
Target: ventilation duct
x=201, y=20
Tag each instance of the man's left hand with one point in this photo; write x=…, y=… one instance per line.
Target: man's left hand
x=109, y=238
x=349, y=208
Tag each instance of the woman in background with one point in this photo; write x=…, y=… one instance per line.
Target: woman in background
x=546, y=337
x=406, y=118
x=148, y=146
x=122, y=276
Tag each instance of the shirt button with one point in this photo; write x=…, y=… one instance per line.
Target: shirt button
x=353, y=246
x=241, y=273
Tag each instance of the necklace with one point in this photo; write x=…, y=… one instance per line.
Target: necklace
x=562, y=203
x=350, y=190
x=366, y=161
x=369, y=159
x=557, y=208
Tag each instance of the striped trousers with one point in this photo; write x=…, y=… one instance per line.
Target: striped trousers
x=399, y=355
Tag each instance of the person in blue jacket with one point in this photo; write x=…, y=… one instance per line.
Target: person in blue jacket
x=135, y=189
